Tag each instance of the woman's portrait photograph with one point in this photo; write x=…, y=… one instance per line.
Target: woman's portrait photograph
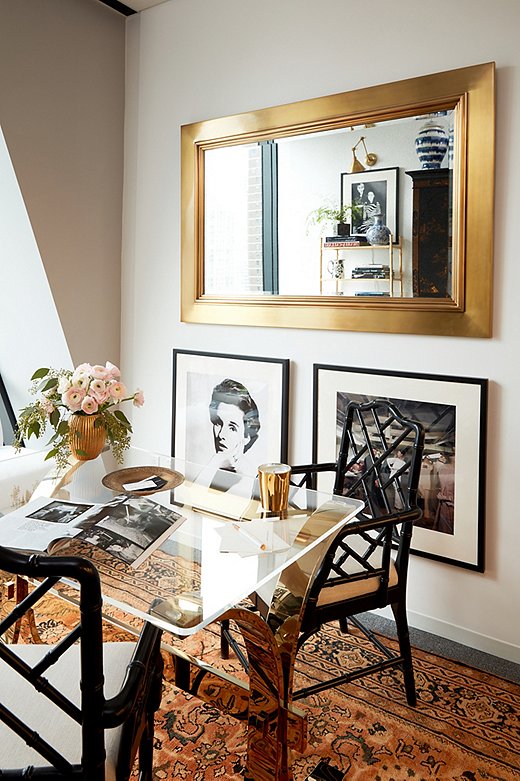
x=230, y=413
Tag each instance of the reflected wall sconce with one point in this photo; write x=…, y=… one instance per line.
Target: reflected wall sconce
x=370, y=158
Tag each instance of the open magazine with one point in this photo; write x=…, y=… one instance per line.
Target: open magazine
x=128, y=527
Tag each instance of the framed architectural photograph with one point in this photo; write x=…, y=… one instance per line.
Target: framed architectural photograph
x=376, y=192
x=230, y=412
x=453, y=411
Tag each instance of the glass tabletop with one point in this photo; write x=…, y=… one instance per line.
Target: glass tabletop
x=206, y=543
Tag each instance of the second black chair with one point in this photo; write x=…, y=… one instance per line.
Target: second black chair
x=366, y=565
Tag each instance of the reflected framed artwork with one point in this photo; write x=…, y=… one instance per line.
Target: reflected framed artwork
x=453, y=411
x=230, y=413
x=376, y=194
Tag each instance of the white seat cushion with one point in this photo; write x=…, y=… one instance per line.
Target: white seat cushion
x=44, y=717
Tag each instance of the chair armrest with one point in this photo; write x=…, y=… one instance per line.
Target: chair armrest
x=145, y=664
x=325, y=467
x=309, y=471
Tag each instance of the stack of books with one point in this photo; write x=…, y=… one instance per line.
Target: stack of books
x=374, y=271
x=344, y=241
x=375, y=294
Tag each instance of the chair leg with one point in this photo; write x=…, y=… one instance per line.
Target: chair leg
x=403, y=634
x=343, y=625
x=181, y=677
x=227, y=641
x=147, y=738
x=146, y=750
x=224, y=644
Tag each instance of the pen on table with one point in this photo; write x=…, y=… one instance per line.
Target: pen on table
x=249, y=536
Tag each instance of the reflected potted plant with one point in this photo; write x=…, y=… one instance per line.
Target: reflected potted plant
x=338, y=217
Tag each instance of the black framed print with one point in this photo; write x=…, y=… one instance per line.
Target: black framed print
x=376, y=193
x=230, y=412
x=7, y=417
x=453, y=411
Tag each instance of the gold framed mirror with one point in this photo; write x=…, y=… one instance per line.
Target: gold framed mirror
x=254, y=188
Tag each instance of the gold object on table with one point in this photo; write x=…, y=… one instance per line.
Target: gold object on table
x=273, y=480
x=121, y=477
x=87, y=436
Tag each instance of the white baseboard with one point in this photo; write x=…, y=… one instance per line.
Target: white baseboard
x=458, y=634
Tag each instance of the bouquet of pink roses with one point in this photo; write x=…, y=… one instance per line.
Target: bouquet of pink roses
x=85, y=391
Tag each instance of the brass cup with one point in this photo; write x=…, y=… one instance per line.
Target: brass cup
x=273, y=480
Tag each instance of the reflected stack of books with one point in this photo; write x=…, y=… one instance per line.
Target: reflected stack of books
x=374, y=294
x=341, y=242
x=374, y=271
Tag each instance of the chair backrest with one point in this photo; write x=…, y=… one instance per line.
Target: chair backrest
x=89, y=713
x=379, y=462
x=379, y=458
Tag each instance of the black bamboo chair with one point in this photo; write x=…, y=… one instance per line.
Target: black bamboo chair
x=366, y=565
x=81, y=709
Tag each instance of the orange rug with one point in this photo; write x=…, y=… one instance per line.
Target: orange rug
x=466, y=726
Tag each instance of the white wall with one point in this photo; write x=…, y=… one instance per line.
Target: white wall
x=191, y=60
x=26, y=297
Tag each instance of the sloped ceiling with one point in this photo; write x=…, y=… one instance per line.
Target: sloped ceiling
x=130, y=7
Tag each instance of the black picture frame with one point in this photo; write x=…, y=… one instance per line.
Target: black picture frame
x=196, y=375
x=380, y=195
x=7, y=417
x=452, y=487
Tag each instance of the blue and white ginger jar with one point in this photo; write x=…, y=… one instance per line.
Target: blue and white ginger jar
x=451, y=146
x=378, y=233
x=431, y=144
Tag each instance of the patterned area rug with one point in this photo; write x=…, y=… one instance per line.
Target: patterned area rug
x=466, y=726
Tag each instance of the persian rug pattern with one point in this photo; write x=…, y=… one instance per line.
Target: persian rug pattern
x=466, y=726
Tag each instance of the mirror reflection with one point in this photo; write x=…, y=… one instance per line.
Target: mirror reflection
x=361, y=211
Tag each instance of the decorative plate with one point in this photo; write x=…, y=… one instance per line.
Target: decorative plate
x=166, y=479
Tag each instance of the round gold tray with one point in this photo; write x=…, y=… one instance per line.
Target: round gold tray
x=116, y=480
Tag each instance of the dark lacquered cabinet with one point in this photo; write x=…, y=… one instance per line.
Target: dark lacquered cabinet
x=431, y=232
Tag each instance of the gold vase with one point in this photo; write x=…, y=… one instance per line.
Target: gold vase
x=86, y=436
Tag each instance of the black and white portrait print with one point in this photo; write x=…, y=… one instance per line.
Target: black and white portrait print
x=230, y=412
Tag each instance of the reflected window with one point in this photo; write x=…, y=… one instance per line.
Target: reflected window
x=233, y=220
x=259, y=198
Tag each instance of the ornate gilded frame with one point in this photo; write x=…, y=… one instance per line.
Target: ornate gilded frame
x=471, y=92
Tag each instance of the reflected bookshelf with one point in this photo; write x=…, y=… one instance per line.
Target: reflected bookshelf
x=344, y=273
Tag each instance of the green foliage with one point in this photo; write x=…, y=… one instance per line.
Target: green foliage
x=332, y=213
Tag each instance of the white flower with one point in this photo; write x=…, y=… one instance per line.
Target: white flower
x=84, y=368
x=99, y=391
x=73, y=398
x=89, y=405
x=99, y=372
x=138, y=399
x=63, y=384
x=112, y=371
x=80, y=379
